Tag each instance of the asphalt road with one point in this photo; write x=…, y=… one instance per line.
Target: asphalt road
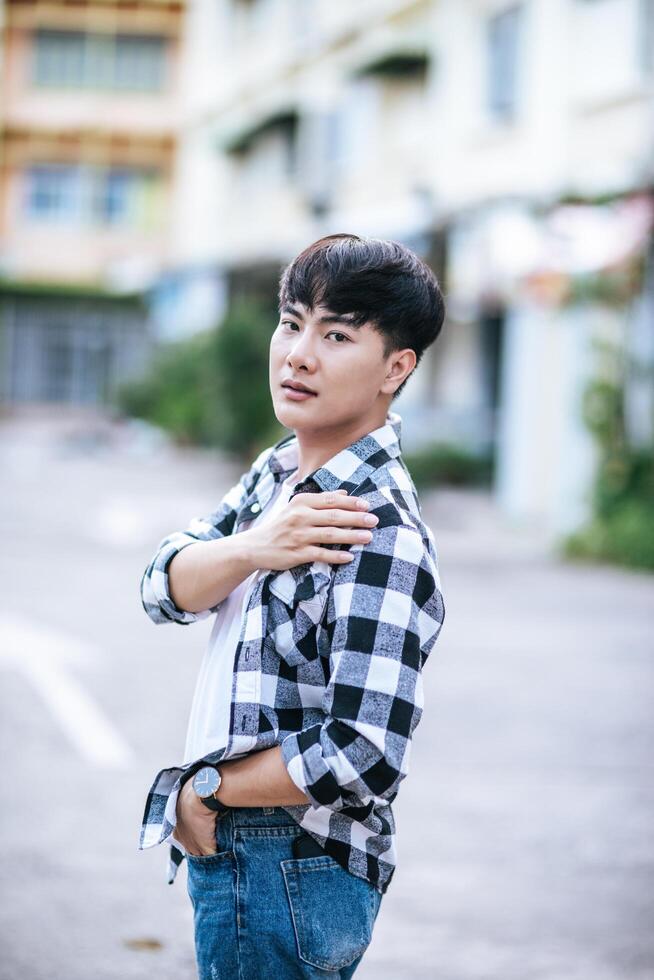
x=526, y=845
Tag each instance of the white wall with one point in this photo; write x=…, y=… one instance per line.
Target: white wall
x=546, y=457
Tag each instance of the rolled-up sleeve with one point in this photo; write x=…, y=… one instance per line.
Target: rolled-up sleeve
x=155, y=586
x=384, y=614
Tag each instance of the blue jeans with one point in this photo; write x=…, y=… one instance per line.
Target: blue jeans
x=260, y=913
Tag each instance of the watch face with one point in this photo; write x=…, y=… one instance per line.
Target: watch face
x=206, y=781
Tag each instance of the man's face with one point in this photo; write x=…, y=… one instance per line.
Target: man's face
x=343, y=366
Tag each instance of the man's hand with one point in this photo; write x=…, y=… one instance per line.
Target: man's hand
x=258, y=779
x=309, y=521
x=196, y=823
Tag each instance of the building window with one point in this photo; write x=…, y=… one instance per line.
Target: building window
x=93, y=196
x=114, y=62
x=115, y=192
x=127, y=197
x=139, y=63
x=503, y=50
x=53, y=193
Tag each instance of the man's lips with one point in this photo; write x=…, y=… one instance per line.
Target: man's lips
x=296, y=391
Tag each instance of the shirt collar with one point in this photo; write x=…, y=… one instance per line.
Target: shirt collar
x=347, y=468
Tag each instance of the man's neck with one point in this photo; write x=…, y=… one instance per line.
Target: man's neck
x=315, y=447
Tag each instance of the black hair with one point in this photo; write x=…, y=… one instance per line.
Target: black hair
x=373, y=281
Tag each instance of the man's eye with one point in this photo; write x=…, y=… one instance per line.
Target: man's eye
x=338, y=337
x=290, y=324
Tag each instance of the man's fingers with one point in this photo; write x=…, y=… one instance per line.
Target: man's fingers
x=332, y=557
x=340, y=535
x=196, y=828
x=196, y=846
x=334, y=499
x=343, y=518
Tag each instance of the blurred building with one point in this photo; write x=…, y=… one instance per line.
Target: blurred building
x=88, y=117
x=509, y=143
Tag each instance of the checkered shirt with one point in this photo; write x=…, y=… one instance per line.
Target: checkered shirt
x=329, y=660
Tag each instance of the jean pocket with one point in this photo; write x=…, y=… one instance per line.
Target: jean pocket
x=333, y=911
x=209, y=878
x=207, y=873
x=202, y=860
x=223, y=850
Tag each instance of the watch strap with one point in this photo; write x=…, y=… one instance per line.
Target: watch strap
x=213, y=804
x=191, y=771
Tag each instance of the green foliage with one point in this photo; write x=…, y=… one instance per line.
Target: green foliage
x=240, y=353
x=623, y=476
x=178, y=394
x=626, y=537
x=622, y=528
x=602, y=412
x=50, y=289
x=444, y=463
x=212, y=389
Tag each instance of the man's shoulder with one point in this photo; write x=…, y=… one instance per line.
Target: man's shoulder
x=391, y=488
x=393, y=498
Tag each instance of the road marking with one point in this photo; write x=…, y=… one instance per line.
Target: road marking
x=43, y=655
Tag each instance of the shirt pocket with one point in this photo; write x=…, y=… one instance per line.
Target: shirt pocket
x=302, y=592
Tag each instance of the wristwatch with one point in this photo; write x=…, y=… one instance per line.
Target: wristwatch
x=206, y=784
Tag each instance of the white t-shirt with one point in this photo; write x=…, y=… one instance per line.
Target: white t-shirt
x=208, y=725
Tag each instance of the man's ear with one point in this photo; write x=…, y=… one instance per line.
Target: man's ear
x=399, y=366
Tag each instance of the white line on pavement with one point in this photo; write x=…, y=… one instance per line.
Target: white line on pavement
x=41, y=655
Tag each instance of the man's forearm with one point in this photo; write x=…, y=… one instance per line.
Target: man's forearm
x=204, y=574
x=259, y=779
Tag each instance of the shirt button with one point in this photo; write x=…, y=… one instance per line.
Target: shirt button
x=255, y=508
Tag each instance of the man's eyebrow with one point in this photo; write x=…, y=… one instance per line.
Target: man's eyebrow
x=292, y=310
x=344, y=318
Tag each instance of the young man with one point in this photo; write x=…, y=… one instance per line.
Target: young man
x=325, y=586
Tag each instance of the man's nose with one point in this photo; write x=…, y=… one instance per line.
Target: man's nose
x=301, y=355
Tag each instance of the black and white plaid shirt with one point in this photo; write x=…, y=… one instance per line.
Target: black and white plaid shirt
x=329, y=659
